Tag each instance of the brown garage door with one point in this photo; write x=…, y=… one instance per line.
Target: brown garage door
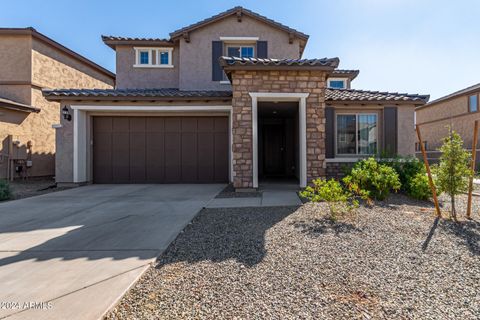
x=160, y=149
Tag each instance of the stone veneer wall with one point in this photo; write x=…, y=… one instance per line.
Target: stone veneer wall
x=246, y=81
x=336, y=170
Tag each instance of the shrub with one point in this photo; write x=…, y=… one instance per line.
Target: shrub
x=419, y=187
x=376, y=179
x=5, y=192
x=412, y=175
x=339, y=200
x=406, y=168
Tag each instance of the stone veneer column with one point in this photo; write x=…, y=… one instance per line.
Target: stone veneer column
x=246, y=81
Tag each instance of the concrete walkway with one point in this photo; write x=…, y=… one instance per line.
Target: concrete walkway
x=73, y=254
x=270, y=197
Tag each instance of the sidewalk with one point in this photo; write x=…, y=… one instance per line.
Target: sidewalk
x=271, y=197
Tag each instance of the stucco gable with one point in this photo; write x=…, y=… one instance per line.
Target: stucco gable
x=239, y=13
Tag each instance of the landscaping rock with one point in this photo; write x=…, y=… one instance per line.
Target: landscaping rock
x=394, y=260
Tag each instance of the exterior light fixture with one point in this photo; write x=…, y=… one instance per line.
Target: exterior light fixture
x=66, y=115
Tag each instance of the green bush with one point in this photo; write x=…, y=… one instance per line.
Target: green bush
x=407, y=168
x=412, y=175
x=339, y=200
x=375, y=178
x=325, y=190
x=419, y=187
x=5, y=192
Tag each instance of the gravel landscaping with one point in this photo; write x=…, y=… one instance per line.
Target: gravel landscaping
x=392, y=261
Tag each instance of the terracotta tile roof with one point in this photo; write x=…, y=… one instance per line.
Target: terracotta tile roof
x=58, y=94
x=238, y=11
x=343, y=71
x=115, y=38
x=13, y=105
x=236, y=61
x=112, y=41
x=351, y=74
x=349, y=95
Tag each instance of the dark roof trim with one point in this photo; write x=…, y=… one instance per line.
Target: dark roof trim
x=113, y=41
x=236, y=63
x=134, y=94
x=13, y=105
x=364, y=96
x=456, y=94
x=237, y=11
x=34, y=33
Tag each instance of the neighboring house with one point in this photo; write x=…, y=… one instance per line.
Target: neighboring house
x=226, y=99
x=458, y=110
x=30, y=62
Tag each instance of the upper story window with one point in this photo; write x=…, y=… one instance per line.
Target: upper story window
x=144, y=57
x=357, y=134
x=238, y=50
x=337, y=83
x=473, y=103
x=242, y=51
x=153, y=58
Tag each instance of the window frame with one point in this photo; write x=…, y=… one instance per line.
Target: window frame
x=344, y=80
x=139, y=57
x=240, y=46
x=469, y=102
x=158, y=51
x=356, y=114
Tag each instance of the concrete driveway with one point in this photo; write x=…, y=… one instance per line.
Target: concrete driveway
x=72, y=254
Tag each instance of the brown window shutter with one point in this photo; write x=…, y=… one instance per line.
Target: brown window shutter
x=329, y=132
x=217, y=52
x=390, y=126
x=262, y=49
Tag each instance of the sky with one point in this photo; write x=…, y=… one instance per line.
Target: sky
x=415, y=46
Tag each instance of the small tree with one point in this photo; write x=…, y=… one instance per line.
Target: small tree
x=453, y=171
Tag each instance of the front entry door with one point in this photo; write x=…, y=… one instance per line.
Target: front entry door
x=274, y=149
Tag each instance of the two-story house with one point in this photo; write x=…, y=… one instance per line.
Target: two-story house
x=226, y=99
x=458, y=111
x=30, y=62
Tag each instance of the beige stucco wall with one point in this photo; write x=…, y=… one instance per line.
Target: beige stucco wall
x=33, y=127
x=193, y=60
x=130, y=77
x=40, y=66
x=445, y=109
x=15, y=52
x=20, y=92
x=196, y=56
x=434, y=121
x=52, y=68
x=64, y=150
x=434, y=132
x=406, y=130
